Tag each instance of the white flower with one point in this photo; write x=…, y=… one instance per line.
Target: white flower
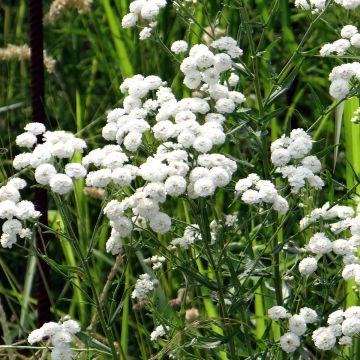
x=225, y=106
x=297, y=325
x=348, y=31
x=320, y=244
x=122, y=176
x=132, y=141
x=307, y=266
x=204, y=187
x=71, y=326
x=114, y=244
x=175, y=185
x=75, y=170
x=339, y=89
x=202, y=144
x=12, y=226
x=277, y=313
x=289, y=342
x=251, y=197
x=355, y=40
x=35, y=336
x=61, y=184
x=350, y=271
x=336, y=317
x=21, y=161
x=144, y=285
x=26, y=139
x=160, y=223
x=35, y=128
x=352, y=312
x=61, y=353
x=280, y=157
x=129, y=20
x=8, y=240
x=8, y=209
x=351, y=326
x=145, y=33
x=345, y=340
x=179, y=46
x=324, y=338
x=159, y=331
x=44, y=173
x=308, y=314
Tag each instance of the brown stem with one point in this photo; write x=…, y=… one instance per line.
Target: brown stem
x=107, y=287
x=38, y=115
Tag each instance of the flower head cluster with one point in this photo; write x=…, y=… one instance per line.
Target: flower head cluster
x=203, y=70
x=340, y=77
x=156, y=261
x=56, y=145
x=256, y=191
x=60, y=335
x=348, y=4
x=297, y=325
x=179, y=47
x=314, y=5
x=145, y=10
x=290, y=155
x=144, y=285
x=327, y=213
x=15, y=212
x=158, y=332
x=349, y=36
x=317, y=5
x=342, y=325
x=185, y=130
x=191, y=234
x=336, y=219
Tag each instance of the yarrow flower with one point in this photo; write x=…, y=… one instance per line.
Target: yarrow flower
x=290, y=155
x=144, y=11
x=60, y=334
x=56, y=145
x=144, y=285
x=256, y=191
x=15, y=212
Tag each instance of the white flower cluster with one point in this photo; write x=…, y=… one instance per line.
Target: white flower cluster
x=203, y=70
x=60, y=335
x=321, y=4
x=348, y=4
x=56, y=145
x=191, y=234
x=336, y=219
x=349, y=36
x=179, y=127
x=311, y=4
x=297, y=325
x=340, y=77
x=158, y=332
x=145, y=10
x=15, y=212
x=144, y=285
x=342, y=325
x=295, y=150
x=156, y=261
x=327, y=213
x=255, y=191
x=179, y=46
